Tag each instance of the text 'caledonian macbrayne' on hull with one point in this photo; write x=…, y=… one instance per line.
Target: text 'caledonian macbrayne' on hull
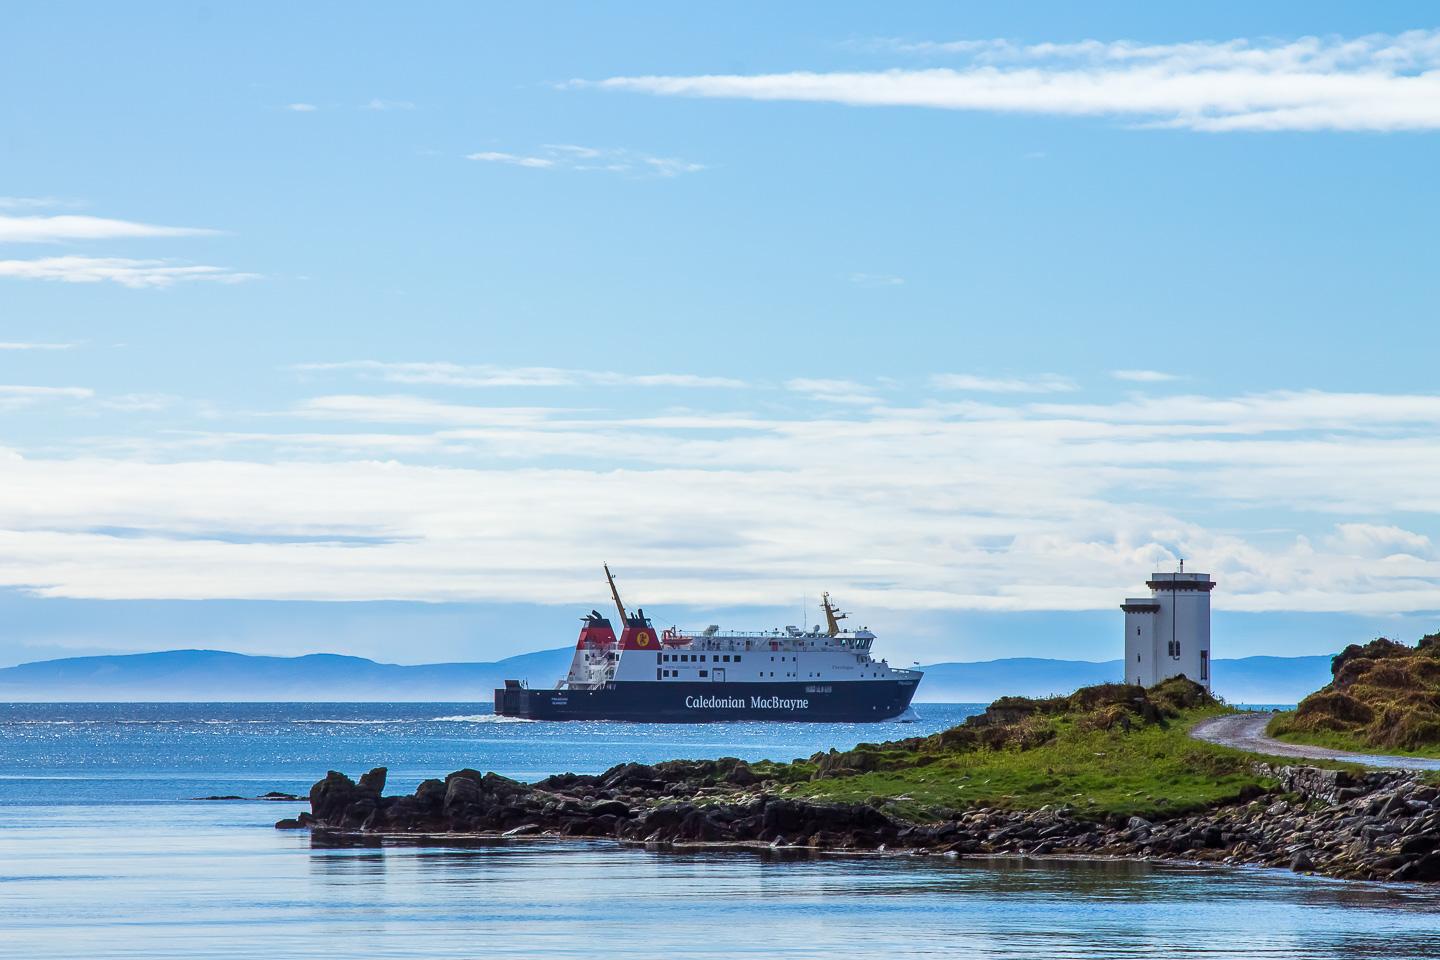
x=679, y=676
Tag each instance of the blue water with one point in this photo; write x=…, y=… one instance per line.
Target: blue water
x=103, y=855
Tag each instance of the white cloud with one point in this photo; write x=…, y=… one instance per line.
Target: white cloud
x=139, y=402
x=383, y=105
x=1374, y=540
x=301, y=107
x=135, y=274
x=35, y=346
x=876, y=280
x=833, y=391
x=34, y=203
x=670, y=166
x=18, y=397
x=1374, y=82
x=962, y=505
x=72, y=227
x=496, y=156
x=569, y=156
x=1143, y=376
x=447, y=374
x=1045, y=383
x=406, y=409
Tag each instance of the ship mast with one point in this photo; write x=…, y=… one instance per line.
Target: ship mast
x=620, y=607
x=832, y=615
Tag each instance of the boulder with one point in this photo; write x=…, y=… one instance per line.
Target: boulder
x=329, y=797
x=372, y=784
x=460, y=792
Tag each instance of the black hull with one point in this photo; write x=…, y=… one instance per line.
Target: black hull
x=853, y=701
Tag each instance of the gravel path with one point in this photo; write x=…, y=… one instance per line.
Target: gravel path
x=1246, y=731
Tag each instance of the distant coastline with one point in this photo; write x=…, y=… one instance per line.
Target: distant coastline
x=214, y=675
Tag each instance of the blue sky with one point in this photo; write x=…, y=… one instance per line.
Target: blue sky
x=376, y=332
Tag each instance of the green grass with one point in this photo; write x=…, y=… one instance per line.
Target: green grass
x=1153, y=770
x=1342, y=740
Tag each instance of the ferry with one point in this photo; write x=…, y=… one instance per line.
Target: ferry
x=684, y=676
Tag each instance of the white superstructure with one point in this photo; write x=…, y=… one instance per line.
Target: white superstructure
x=1168, y=633
x=820, y=655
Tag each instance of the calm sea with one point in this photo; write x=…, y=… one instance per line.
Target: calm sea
x=103, y=854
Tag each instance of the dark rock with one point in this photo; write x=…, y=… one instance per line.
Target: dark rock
x=461, y=791
x=1419, y=844
x=372, y=784
x=612, y=808
x=1302, y=863
x=287, y=824
x=1396, y=804
x=741, y=775
x=1428, y=867
x=330, y=797
x=430, y=795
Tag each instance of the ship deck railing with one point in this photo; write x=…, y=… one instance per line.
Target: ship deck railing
x=681, y=632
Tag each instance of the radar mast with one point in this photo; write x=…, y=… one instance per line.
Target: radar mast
x=620, y=607
x=832, y=615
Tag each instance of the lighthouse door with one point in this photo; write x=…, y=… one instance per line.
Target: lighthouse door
x=718, y=675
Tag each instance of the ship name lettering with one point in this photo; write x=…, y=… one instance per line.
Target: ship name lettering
x=736, y=703
x=778, y=703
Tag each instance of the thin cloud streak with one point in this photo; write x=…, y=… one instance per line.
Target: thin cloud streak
x=569, y=156
x=442, y=373
x=20, y=396
x=1372, y=83
x=135, y=274
x=1046, y=383
x=35, y=203
x=74, y=227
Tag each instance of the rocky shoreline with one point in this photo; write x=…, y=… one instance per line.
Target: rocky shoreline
x=1370, y=826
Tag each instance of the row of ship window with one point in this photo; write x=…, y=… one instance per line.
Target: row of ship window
x=696, y=658
x=705, y=673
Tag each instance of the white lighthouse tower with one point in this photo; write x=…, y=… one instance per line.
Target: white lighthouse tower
x=1168, y=633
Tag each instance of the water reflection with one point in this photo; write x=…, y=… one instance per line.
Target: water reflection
x=800, y=903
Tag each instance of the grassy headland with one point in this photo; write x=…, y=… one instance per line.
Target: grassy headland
x=1384, y=696
x=1104, y=750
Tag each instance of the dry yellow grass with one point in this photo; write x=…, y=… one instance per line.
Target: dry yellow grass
x=1384, y=695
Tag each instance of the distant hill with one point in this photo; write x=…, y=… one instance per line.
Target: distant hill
x=1268, y=680
x=214, y=675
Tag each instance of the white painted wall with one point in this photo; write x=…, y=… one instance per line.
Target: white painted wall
x=1174, y=639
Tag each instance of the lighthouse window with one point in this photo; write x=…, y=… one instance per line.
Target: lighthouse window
x=1204, y=664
